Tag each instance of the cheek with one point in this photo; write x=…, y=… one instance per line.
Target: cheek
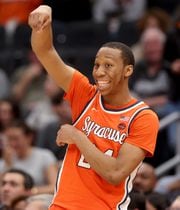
x=16, y=144
x=93, y=73
x=118, y=78
x=12, y=143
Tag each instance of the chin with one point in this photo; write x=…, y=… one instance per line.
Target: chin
x=104, y=93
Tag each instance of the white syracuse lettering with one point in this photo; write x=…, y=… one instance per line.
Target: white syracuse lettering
x=102, y=132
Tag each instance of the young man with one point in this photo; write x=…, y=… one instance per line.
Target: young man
x=14, y=183
x=112, y=132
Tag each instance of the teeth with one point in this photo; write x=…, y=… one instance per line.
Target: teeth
x=102, y=82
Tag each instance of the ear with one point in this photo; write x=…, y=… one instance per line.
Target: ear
x=128, y=70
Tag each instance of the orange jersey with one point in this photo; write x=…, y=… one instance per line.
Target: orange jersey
x=78, y=185
x=17, y=9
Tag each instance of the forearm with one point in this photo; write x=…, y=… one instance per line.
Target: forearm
x=104, y=165
x=42, y=40
x=19, y=89
x=42, y=45
x=43, y=189
x=112, y=169
x=50, y=59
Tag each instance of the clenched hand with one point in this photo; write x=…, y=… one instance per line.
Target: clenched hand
x=40, y=18
x=68, y=135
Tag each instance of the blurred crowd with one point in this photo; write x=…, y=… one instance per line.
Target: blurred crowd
x=32, y=107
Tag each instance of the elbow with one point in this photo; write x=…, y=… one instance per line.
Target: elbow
x=114, y=178
x=114, y=181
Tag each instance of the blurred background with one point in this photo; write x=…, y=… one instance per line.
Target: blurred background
x=151, y=28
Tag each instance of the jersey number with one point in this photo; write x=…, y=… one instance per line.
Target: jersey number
x=84, y=164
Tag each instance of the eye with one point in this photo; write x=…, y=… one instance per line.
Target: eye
x=14, y=184
x=107, y=65
x=3, y=183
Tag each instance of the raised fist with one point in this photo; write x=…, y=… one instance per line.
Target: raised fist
x=40, y=18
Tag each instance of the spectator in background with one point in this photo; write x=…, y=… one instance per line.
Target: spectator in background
x=157, y=201
x=42, y=113
x=155, y=17
x=138, y=201
x=172, y=54
x=152, y=18
x=5, y=89
x=145, y=179
x=18, y=152
x=19, y=203
x=14, y=183
x=9, y=111
x=47, y=135
x=27, y=82
x=172, y=47
x=167, y=5
x=150, y=80
x=39, y=202
x=175, y=204
x=169, y=185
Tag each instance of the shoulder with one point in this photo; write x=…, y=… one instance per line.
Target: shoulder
x=42, y=152
x=145, y=120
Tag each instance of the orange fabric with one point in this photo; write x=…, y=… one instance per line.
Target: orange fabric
x=54, y=207
x=17, y=9
x=78, y=185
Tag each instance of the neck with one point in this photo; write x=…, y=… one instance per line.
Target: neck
x=118, y=99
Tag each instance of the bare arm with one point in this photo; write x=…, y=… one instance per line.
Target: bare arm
x=42, y=45
x=114, y=170
x=31, y=72
x=50, y=175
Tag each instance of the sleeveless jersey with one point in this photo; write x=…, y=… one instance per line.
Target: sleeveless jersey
x=78, y=185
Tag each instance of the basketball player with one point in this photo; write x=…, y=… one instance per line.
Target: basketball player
x=112, y=132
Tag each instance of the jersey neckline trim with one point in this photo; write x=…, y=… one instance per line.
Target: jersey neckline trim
x=124, y=109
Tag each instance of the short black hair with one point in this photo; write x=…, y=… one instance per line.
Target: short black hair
x=138, y=201
x=28, y=180
x=158, y=200
x=21, y=124
x=57, y=99
x=127, y=55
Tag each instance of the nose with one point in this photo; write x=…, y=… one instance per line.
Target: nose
x=137, y=180
x=100, y=71
x=6, y=187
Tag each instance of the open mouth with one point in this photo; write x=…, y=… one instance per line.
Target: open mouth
x=102, y=84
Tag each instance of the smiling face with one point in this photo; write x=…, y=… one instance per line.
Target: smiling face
x=12, y=186
x=110, y=73
x=18, y=140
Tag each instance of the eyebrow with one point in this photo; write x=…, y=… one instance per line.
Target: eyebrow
x=10, y=182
